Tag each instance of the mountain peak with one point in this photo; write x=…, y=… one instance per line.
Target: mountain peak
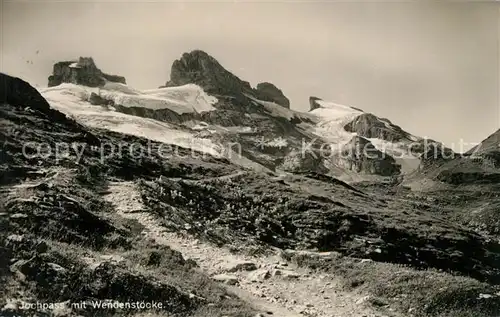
x=200, y=68
x=81, y=72
x=197, y=52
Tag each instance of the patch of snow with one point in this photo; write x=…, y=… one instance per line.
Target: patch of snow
x=279, y=111
x=393, y=149
x=484, y=296
x=331, y=105
x=276, y=110
x=200, y=126
x=119, y=87
x=245, y=130
x=414, y=138
x=233, y=129
x=189, y=95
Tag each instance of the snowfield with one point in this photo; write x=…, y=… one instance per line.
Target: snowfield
x=183, y=99
x=71, y=100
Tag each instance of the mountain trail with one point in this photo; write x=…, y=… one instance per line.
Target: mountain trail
x=269, y=284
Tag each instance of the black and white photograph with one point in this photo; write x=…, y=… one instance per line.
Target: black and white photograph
x=249, y=158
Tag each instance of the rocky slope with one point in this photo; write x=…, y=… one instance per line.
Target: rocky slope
x=91, y=222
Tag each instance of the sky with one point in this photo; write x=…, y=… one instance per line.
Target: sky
x=430, y=67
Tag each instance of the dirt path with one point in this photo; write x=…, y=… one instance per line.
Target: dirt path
x=209, y=179
x=268, y=283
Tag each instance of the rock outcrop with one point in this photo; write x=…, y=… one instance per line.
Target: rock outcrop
x=269, y=92
x=97, y=100
x=198, y=67
x=361, y=156
x=313, y=103
x=24, y=98
x=16, y=92
x=81, y=72
x=370, y=126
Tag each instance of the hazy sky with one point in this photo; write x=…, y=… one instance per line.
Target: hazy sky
x=431, y=68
